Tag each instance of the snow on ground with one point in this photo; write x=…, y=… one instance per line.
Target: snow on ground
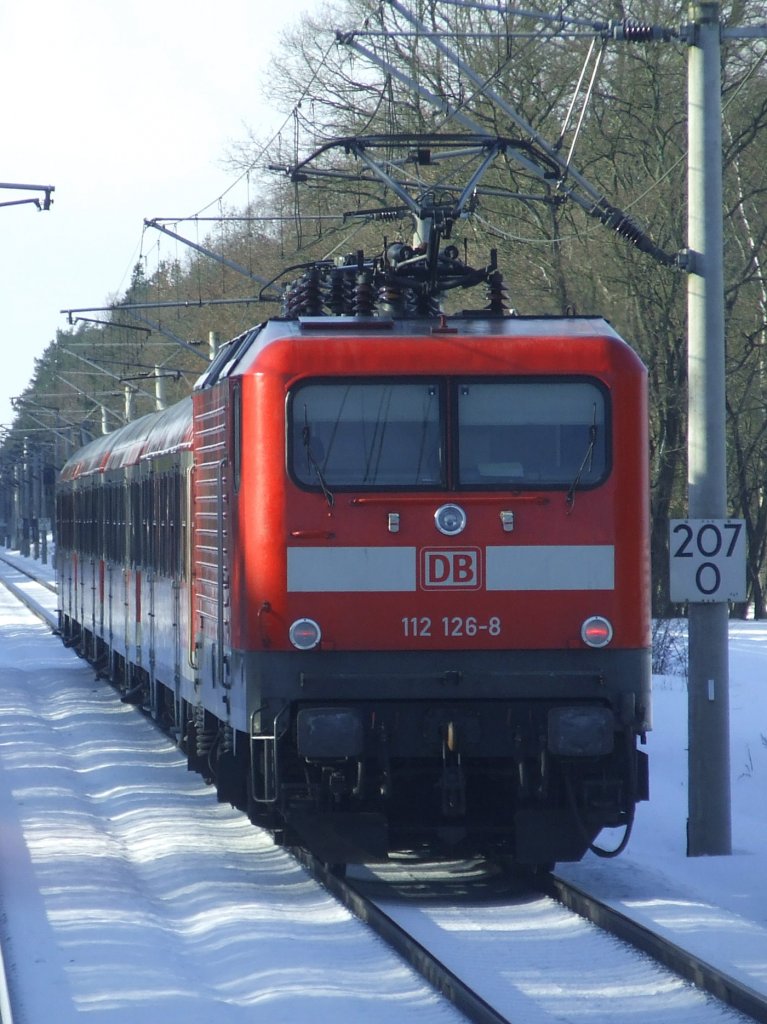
x=714, y=906
x=272, y=946
x=129, y=895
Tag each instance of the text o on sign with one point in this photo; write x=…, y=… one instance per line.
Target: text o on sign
x=707, y=560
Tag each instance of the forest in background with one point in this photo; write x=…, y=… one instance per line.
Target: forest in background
x=628, y=134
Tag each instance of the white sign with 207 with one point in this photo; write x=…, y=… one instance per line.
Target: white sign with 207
x=707, y=560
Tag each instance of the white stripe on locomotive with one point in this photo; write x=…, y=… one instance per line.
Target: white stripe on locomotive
x=552, y=567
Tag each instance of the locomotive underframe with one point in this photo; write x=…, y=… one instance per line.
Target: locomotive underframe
x=448, y=751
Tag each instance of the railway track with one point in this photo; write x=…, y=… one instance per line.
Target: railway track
x=426, y=963
x=705, y=976
x=29, y=573
x=374, y=899
x=373, y=902
x=24, y=586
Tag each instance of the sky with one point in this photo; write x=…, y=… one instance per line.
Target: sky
x=129, y=111
x=129, y=893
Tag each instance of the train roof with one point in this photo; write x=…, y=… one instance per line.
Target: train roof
x=146, y=437
x=239, y=354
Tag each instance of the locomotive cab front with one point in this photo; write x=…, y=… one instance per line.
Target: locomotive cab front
x=439, y=585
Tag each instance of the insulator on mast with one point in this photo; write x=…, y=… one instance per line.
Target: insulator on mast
x=629, y=31
x=627, y=228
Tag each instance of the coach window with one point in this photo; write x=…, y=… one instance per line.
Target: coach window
x=76, y=513
x=136, y=529
x=123, y=523
x=98, y=520
x=159, y=525
x=107, y=491
x=94, y=528
x=366, y=434
x=531, y=433
x=115, y=554
x=176, y=565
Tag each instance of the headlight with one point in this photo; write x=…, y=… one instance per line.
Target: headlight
x=597, y=631
x=586, y=731
x=305, y=634
x=329, y=733
x=450, y=519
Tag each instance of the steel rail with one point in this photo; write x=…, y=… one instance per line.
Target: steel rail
x=428, y=966
x=48, y=617
x=705, y=976
x=731, y=992
x=26, y=572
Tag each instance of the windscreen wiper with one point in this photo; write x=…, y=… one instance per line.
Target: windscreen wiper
x=306, y=438
x=588, y=459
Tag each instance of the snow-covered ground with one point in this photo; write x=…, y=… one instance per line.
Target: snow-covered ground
x=715, y=906
x=272, y=946
x=128, y=894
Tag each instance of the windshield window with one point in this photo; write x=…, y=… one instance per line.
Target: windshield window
x=526, y=433
x=503, y=434
x=367, y=434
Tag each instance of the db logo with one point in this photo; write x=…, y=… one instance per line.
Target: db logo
x=451, y=567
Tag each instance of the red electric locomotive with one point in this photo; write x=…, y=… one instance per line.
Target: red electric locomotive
x=386, y=577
